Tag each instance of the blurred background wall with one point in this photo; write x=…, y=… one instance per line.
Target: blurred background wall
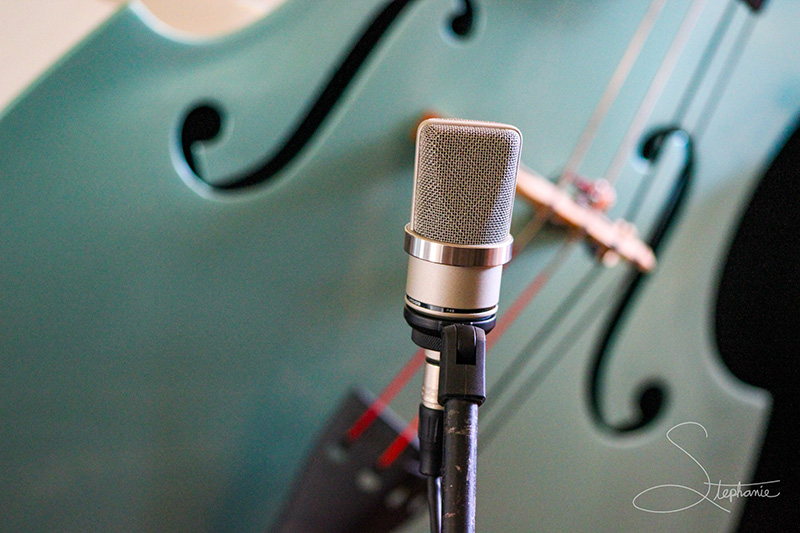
x=35, y=33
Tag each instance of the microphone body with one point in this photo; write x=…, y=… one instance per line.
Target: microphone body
x=458, y=239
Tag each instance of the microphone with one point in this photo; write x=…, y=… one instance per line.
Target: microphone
x=458, y=238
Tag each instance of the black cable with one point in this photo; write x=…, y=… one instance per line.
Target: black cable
x=435, y=503
x=460, y=466
x=430, y=459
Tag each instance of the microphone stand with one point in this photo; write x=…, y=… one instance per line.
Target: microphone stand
x=449, y=443
x=461, y=390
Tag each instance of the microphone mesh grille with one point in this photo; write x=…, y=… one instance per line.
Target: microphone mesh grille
x=465, y=181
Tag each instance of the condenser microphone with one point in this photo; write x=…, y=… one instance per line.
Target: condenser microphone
x=458, y=238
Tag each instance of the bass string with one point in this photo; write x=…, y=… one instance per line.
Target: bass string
x=651, y=97
x=601, y=110
x=525, y=356
x=705, y=62
x=548, y=363
x=689, y=94
x=609, y=96
x=723, y=80
x=530, y=292
x=611, y=92
x=654, y=392
x=407, y=435
x=521, y=394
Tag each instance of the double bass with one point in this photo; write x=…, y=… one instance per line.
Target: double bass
x=202, y=255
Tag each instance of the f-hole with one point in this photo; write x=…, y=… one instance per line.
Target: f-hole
x=203, y=121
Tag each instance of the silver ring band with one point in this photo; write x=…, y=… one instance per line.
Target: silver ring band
x=448, y=313
x=486, y=255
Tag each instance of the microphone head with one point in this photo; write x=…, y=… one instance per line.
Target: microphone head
x=465, y=176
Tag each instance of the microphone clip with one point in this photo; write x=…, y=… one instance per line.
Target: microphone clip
x=462, y=373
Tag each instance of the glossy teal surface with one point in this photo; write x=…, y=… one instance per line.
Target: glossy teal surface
x=168, y=353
